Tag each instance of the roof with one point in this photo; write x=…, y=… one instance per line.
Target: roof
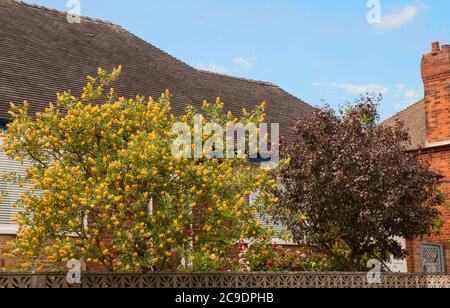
x=41, y=54
x=414, y=121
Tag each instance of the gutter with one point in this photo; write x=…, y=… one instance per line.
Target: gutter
x=431, y=147
x=438, y=144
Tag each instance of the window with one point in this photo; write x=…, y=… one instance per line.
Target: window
x=3, y=123
x=267, y=222
x=432, y=258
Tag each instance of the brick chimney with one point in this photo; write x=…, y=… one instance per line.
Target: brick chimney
x=436, y=78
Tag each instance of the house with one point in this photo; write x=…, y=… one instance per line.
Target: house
x=41, y=54
x=428, y=122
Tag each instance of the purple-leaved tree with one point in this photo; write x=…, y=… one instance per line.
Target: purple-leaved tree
x=351, y=187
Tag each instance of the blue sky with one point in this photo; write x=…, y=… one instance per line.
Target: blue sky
x=315, y=49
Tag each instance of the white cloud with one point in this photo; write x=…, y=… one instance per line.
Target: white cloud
x=406, y=96
x=240, y=63
x=355, y=89
x=398, y=18
x=403, y=90
x=212, y=67
x=243, y=63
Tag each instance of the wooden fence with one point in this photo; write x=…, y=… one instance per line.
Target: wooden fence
x=224, y=280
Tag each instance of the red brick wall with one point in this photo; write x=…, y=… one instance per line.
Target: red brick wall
x=440, y=162
x=436, y=77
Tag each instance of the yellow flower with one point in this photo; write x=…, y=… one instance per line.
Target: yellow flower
x=136, y=133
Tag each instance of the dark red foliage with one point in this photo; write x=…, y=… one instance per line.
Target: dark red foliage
x=357, y=186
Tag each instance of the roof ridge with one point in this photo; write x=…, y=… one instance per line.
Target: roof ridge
x=121, y=28
x=105, y=22
x=265, y=83
x=41, y=7
x=402, y=111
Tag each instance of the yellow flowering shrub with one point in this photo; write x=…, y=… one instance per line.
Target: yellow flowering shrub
x=100, y=161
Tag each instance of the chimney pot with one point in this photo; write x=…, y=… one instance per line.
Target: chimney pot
x=445, y=48
x=436, y=47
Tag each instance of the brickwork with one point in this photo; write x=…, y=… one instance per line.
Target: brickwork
x=436, y=77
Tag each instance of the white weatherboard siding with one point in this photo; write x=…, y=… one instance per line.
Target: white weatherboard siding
x=268, y=223
x=7, y=212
